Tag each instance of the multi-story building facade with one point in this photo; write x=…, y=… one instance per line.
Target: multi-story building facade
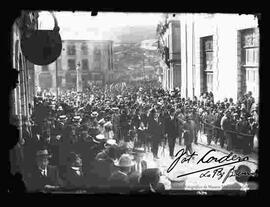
x=22, y=97
x=219, y=53
x=169, y=38
x=92, y=58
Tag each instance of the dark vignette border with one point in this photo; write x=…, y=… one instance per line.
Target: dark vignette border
x=15, y=184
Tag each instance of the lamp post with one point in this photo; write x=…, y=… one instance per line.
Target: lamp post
x=77, y=79
x=144, y=68
x=56, y=78
x=77, y=82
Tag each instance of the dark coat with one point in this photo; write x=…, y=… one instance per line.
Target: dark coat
x=188, y=133
x=36, y=181
x=226, y=123
x=171, y=127
x=73, y=180
x=136, y=121
x=155, y=129
x=146, y=189
x=100, y=172
x=119, y=180
x=124, y=119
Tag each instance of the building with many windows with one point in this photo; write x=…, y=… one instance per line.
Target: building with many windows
x=92, y=58
x=22, y=97
x=169, y=47
x=218, y=53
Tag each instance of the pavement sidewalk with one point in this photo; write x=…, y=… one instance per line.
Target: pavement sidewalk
x=202, y=140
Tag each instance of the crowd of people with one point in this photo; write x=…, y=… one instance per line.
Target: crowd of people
x=97, y=139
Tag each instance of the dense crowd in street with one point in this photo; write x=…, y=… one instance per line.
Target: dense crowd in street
x=98, y=138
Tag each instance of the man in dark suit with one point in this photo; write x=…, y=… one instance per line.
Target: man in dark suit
x=150, y=181
x=171, y=131
x=119, y=180
x=74, y=177
x=124, y=124
x=155, y=131
x=43, y=176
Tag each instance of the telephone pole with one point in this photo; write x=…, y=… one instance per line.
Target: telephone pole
x=56, y=78
x=144, y=68
x=77, y=79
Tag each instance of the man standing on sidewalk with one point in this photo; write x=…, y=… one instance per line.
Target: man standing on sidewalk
x=171, y=131
x=225, y=126
x=155, y=130
x=180, y=121
x=188, y=134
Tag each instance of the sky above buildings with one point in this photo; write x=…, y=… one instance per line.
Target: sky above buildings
x=81, y=25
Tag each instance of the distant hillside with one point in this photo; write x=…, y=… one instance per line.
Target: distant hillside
x=128, y=34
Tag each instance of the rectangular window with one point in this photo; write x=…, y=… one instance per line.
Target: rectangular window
x=250, y=61
x=71, y=64
x=97, y=55
x=71, y=50
x=85, y=64
x=207, y=63
x=251, y=56
x=84, y=49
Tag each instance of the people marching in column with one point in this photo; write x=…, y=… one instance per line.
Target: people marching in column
x=103, y=140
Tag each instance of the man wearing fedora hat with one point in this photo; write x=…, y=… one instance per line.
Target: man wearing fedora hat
x=242, y=180
x=120, y=178
x=73, y=176
x=188, y=133
x=104, y=165
x=155, y=130
x=171, y=129
x=141, y=163
x=43, y=175
x=150, y=181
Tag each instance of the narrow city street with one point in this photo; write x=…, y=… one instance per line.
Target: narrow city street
x=96, y=97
